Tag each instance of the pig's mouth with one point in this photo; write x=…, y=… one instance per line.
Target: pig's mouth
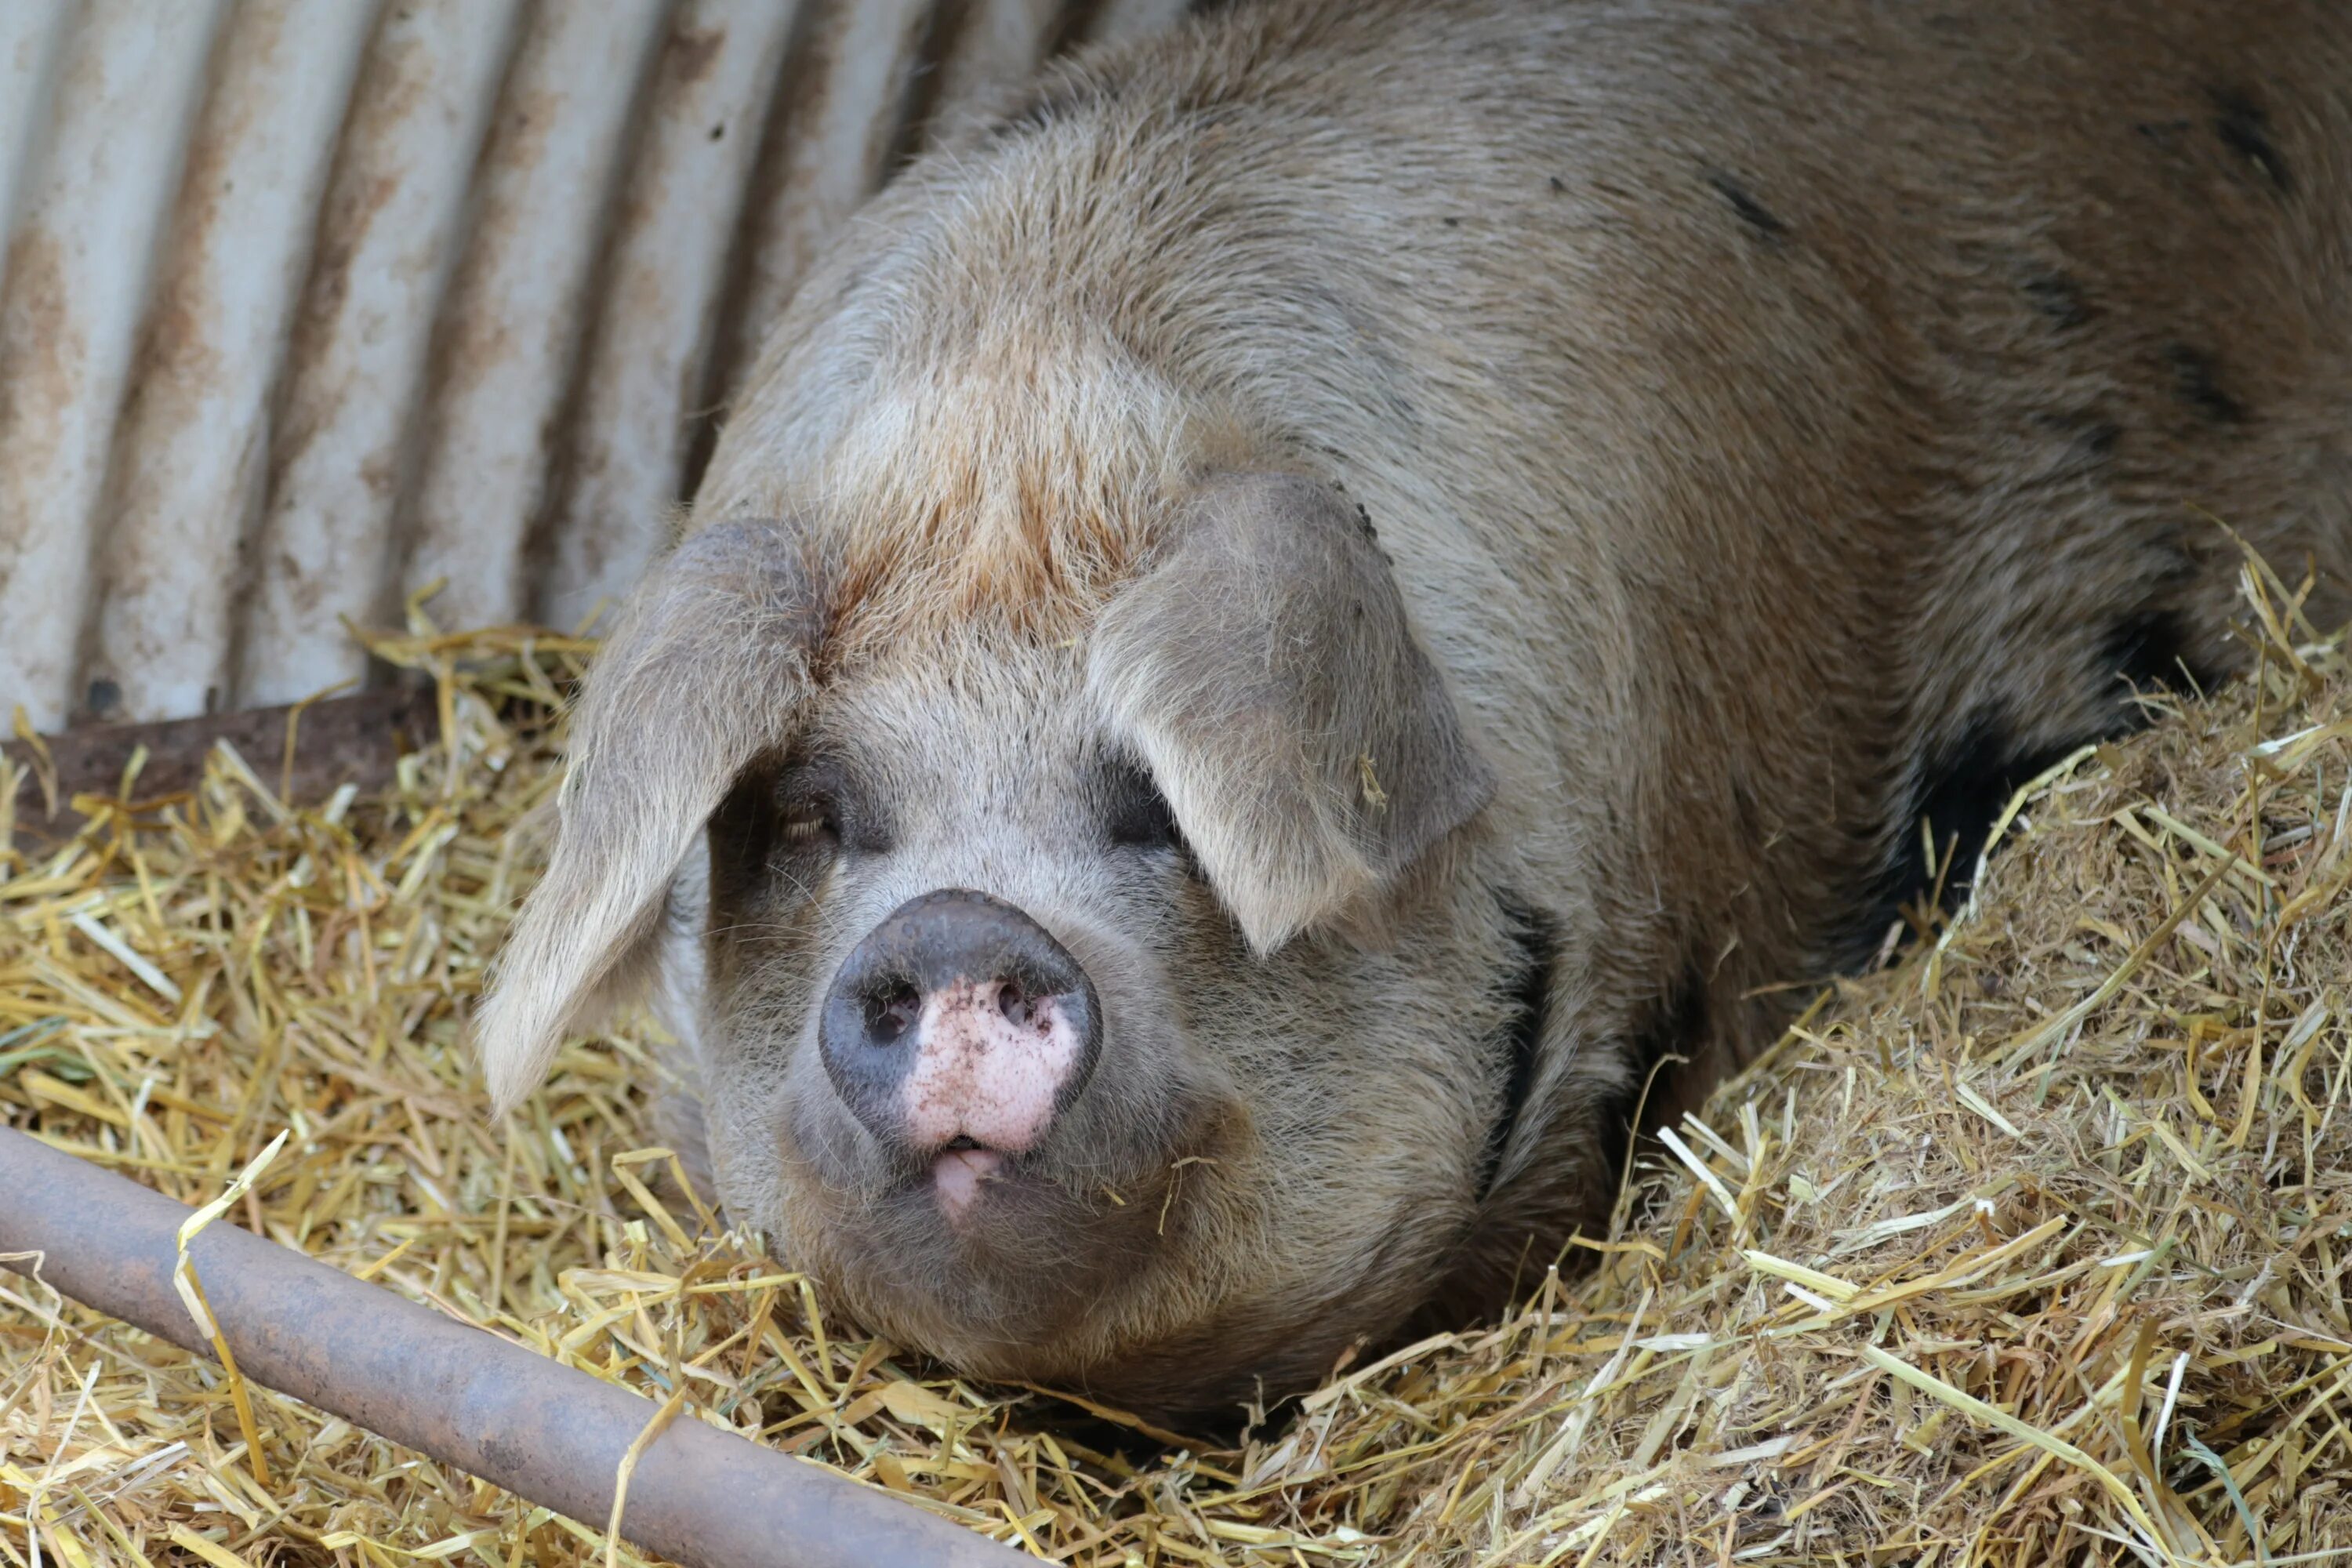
x=961, y=1172
x=973, y=1235
x=968, y=1184
x=970, y=1194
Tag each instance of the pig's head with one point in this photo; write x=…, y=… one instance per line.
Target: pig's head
x=1100, y=1008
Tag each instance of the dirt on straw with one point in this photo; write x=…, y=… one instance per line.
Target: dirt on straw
x=2028, y=1249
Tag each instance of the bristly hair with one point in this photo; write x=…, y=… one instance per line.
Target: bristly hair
x=1010, y=482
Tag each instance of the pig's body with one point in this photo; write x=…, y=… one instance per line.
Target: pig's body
x=1779, y=421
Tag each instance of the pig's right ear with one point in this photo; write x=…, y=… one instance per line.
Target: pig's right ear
x=1268, y=675
x=709, y=669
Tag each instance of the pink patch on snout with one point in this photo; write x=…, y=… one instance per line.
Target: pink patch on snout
x=979, y=1074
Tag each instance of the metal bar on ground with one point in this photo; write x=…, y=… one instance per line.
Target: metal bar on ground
x=541, y=1430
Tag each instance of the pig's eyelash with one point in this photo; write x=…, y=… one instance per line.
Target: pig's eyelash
x=805, y=822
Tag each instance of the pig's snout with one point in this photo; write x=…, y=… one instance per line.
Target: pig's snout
x=956, y=1032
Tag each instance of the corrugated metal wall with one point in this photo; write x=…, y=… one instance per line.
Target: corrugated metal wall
x=307, y=303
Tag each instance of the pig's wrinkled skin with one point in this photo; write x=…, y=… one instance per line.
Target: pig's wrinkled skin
x=1546, y=496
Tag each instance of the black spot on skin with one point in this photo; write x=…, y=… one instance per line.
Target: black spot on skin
x=1364, y=521
x=2196, y=377
x=1558, y=186
x=1674, y=1023
x=2153, y=649
x=1753, y=213
x=1677, y=1021
x=2059, y=299
x=2245, y=130
x=1965, y=784
x=742, y=836
x=1959, y=789
x=1524, y=980
x=1451, y=222
x=105, y=697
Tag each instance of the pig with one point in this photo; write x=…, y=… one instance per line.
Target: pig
x=1311, y=620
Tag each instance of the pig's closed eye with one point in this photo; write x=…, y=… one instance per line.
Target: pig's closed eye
x=812, y=821
x=823, y=807
x=1136, y=812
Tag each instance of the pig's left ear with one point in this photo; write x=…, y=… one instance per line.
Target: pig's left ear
x=709, y=669
x=1265, y=672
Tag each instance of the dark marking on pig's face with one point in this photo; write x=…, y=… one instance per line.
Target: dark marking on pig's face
x=1133, y=813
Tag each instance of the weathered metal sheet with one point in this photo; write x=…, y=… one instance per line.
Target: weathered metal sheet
x=390, y=236
x=1134, y=18
x=671, y=243
x=998, y=44
x=512, y=331
x=308, y=302
x=845, y=100
x=96, y=198
x=31, y=32
x=194, y=434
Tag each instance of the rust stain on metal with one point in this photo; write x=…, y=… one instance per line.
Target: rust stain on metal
x=691, y=52
x=42, y=354
x=390, y=228
x=190, y=445
x=41, y=346
x=349, y=213
x=618, y=472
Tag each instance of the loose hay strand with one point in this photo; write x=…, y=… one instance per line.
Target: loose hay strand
x=192, y=1294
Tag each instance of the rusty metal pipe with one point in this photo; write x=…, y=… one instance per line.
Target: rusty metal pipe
x=698, y=1496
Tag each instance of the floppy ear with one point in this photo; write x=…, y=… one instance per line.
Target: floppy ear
x=1267, y=674
x=709, y=669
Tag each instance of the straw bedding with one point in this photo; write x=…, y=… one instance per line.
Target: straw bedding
x=2028, y=1248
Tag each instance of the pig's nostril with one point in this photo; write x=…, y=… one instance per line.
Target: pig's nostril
x=890, y=1013
x=1015, y=1004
